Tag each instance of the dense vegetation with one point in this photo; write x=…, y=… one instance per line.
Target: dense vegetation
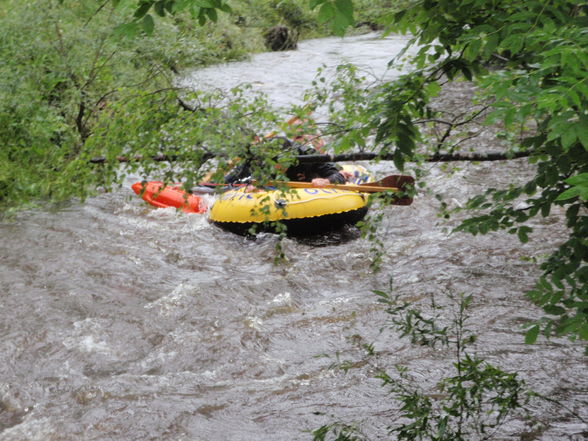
x=63, y=68
x=529, y=60
x=77, y=75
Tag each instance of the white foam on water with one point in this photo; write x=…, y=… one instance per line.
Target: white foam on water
x=30, y=429
x=169, y=303
x=282, y=299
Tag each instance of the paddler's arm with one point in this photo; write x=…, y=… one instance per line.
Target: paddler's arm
x=334, y=178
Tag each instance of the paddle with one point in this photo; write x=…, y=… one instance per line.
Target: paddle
x=392, y=183
x=402, y=182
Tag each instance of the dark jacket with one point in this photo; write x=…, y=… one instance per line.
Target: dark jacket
x=298, y=172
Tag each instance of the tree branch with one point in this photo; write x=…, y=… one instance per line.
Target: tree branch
x=358, y=156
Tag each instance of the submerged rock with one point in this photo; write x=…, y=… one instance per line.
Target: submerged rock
x=280, y=38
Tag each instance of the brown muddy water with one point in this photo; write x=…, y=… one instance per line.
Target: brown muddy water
x=122, y=322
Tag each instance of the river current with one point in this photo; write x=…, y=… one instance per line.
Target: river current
x=121, y=322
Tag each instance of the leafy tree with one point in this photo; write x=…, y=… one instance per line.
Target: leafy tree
x=528, y=61
x=338, y=12
x=70, y=67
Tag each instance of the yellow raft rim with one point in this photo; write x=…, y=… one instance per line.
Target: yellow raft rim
x=302, y=210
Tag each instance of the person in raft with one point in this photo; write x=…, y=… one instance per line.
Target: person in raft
x=320, y=174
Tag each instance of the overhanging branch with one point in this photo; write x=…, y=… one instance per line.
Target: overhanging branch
x=358, y=156
x=475, y=157
x=439, y=157
x=155, y=158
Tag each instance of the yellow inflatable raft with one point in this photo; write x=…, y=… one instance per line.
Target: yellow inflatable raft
x=303, y=210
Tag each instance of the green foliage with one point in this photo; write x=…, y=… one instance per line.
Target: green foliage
x=374, y=12
x=210, y=124
x=293, y=14
x=472, y=402
x=338, y=12
x=67, y=72
x=529, y=62
x=68, y=67
x=539, y=91
x=201, y=10
x=53, y=83
x=337, y=432
x=578, y=188
x=346, y=97
x=369, y=230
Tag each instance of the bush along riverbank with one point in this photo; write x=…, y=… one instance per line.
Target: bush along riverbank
x=70, y=64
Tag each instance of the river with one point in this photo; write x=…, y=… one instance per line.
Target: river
x=124, y=322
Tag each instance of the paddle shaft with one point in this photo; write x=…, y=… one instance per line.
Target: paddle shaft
x=392, y=183
x=398, y=181
x=350, y=187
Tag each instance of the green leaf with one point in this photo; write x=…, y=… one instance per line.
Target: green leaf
x=326, y=12
x=212, y=14
x=554, y=310
x=148, y=24
x=569, y=194
x=339, y=25
x=472, y=50
x=581, y=130
x=491, y=44
x=128, y=30
x=568, y=138
x=523, y=233
x=399, y=161
x=531, y=335
x=225, y=7
x=484, y=228
x=345, y=7
x=513, y=43
x=143, y=9
x=201, y=17
x=203, y=3
x=160, y=8
x=433, y=88
x=579, y=179
x=169, y=6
